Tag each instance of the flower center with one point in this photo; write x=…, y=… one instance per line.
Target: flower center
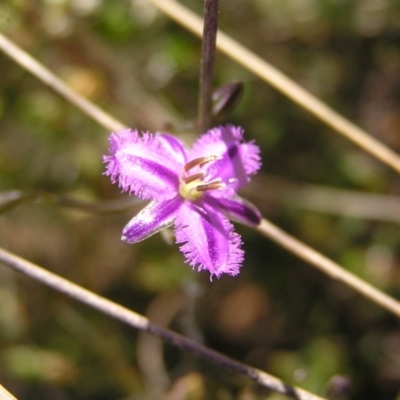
x=193, y=186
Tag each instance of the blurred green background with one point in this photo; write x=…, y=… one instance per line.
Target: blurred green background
x=279, y=314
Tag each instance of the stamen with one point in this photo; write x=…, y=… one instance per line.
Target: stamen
x=213, y=185
x=200, y=162
x=210, y=159
x=192, y=178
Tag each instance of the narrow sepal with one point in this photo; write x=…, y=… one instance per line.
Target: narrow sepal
x=152, y=219
x=236, y=209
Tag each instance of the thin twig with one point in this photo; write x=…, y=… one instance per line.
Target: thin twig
x=282, y=83
x=5, y=394
x=46, y=76
x=140, y=322
x=207, y=65
x=329, y=267
x=13, y=198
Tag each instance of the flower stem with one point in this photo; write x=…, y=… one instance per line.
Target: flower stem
x=207, y=64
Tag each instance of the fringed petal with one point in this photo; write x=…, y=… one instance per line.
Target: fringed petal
x=236, y=209
x=152, y=219
x=209, y=241
x=143, y=165
x=238, y=159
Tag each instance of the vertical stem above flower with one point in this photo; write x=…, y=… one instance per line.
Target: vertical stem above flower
x=207, y=64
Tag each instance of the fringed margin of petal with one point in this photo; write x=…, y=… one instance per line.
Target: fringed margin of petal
x=251, y=157
x=224, y=133
x=236, y=253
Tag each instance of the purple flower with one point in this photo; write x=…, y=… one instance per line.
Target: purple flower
x=194, y=190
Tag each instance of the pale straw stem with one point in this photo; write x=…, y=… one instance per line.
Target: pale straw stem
x=142, y=323
x=5, y=394
x=46, y=76
x=327, y=266
x=282, y=83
